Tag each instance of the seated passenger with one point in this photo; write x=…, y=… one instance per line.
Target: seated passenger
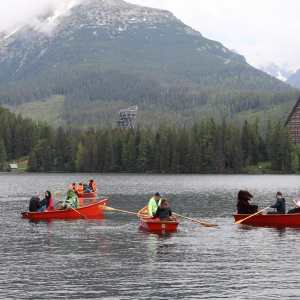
x=164, y=211
x=153, y=204
x=279, y=205
x=297, y=204
x=80, y=189
x=35, y=204
x=71, y=200
x=86, y=188
x=49, y=201
x=243, y=205
x=92, y=185
x=73, y=186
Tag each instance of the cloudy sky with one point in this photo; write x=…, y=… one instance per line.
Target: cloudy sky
x=263, y=31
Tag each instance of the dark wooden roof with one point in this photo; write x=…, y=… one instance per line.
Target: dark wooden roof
x=291, y=113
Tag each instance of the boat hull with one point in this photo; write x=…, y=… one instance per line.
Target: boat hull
x=89, y=210
x=89, y=195
x=158, y=225
x=150, y=225
x=265, y=219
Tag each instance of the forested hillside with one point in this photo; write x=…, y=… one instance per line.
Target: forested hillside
x=108, y=55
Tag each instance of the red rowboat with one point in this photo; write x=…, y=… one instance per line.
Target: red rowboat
x=89, y=210
x=156, y=225
x=265, y=219
x=89, y=195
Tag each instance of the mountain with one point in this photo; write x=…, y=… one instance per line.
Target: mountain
x=80, y=66
x=294, y=79
x=279, y=73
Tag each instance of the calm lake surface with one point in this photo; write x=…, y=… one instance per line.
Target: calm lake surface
x=113, y=258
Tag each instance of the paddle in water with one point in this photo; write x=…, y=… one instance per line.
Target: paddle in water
x=240, y=221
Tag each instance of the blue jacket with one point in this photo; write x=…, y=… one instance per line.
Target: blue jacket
x=279, y=205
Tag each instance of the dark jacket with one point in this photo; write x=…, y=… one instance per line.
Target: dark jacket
x=279, y=205
x=163, y=213
x=34, y=204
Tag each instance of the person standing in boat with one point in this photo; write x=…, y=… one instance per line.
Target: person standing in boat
x=164, y=211
x=153, y=204
x=279, y=205
x=35, y=204
x=297, y=209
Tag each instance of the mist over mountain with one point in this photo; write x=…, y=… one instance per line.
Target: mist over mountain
x=92, y=59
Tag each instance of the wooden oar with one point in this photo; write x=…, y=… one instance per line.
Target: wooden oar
x=113, y=209
x=240, y=221
x=75, y=209
x=202, y=223
x=56, y=203
x=58, y=192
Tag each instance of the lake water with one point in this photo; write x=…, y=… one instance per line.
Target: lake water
x=113, y=258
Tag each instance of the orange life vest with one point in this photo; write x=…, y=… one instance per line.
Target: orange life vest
x=80, y=189
x=94, y=187
x=72, y=187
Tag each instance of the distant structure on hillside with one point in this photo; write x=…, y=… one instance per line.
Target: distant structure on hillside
x=127, y=117
x=293, y=123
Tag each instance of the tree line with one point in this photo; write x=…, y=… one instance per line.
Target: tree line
x=206, y=147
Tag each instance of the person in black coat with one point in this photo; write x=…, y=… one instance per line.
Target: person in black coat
x=35, y=203
x=164, y=211
x=279, y=205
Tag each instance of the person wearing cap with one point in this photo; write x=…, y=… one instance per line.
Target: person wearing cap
x=279, y=205
x=153, y=204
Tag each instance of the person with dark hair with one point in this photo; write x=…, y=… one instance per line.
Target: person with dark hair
x=153, y=204
x=48, y=201
x=73, y=186
x=297, y=204
x=35, y=204
x=279, y=205
x=92, y=185
x=163, y=210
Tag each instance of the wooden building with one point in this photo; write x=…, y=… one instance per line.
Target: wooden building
x=293, y=122
x=127, y=117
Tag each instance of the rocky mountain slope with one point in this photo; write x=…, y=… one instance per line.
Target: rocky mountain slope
x=103, y=55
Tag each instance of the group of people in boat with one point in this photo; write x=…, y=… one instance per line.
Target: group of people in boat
x=244, y=207
x=158, y=208
x=37, y=205
x=84, y=188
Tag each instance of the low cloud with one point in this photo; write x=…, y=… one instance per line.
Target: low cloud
x=20, y=12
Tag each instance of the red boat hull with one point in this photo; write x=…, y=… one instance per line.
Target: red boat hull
x=156, y=225
x=89, y=210
x=89, y=195
x=265, y=219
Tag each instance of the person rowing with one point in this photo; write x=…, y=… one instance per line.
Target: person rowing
x=153, y=204
x=71, y=200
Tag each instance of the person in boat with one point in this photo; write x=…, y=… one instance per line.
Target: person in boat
x=71, y=200
x=35, y=204
x=73, y=186
x=80, y=189
x=48, y=201
x=153, y=204
x=92, y=185
x=297, y=204
x=243, y=205
x=164, y=212
x=279, y=205
x=86, y=188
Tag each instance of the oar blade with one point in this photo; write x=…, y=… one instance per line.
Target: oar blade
x=58, y=192
x=105, y=207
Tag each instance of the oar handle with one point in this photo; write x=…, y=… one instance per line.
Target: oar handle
x=74, y=209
